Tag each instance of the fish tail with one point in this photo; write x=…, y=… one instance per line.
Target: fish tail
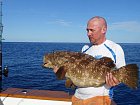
x=129, y=75
x=60, y=74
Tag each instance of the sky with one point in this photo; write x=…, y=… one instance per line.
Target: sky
x=66, y=20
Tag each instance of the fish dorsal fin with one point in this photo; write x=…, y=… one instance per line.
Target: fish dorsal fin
x=61, y=73
x=107, y=62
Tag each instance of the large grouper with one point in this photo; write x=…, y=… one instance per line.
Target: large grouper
x=83, y=70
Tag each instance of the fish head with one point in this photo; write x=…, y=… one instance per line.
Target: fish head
x=48, y=61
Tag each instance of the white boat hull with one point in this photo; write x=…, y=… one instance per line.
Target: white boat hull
x=26, y=101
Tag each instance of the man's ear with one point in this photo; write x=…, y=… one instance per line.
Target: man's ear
x=104, y=29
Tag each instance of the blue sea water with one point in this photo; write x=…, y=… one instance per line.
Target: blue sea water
x=25, y=59
x=25, y=65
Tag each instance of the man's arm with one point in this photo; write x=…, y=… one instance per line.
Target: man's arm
x=118, y=93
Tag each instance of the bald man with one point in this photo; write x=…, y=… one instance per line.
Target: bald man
x=100, y=47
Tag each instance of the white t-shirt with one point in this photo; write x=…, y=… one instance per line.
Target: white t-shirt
x=107, y=49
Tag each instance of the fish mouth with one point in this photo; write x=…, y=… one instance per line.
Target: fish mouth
x=45, y=65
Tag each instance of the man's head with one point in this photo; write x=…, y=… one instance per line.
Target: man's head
x=96, y=30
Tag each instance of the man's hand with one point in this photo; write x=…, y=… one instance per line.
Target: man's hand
x=55, y=69
x=111, y=80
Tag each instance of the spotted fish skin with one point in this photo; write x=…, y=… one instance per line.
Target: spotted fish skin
x=86, y=71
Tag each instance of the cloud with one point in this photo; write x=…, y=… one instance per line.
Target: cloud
x=82, y=26
x=130, y=26
x=60, y=22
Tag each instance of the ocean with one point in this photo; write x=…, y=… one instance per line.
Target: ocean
x=25, y=59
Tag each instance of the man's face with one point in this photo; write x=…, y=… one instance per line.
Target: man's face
x=94, y=31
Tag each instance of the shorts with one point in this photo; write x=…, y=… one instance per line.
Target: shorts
x=98, y=100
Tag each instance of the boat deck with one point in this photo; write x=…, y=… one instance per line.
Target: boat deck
x=34, y=97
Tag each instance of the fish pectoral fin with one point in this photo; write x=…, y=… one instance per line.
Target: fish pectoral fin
x=73, y=87
x=69, y=84
x=60, y=74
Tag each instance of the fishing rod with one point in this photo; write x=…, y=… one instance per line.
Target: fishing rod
x=1, y=30
x=5, y=71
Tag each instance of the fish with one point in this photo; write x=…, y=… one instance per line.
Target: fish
x=83, y=70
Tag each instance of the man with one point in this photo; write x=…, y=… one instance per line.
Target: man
x=100, y=46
